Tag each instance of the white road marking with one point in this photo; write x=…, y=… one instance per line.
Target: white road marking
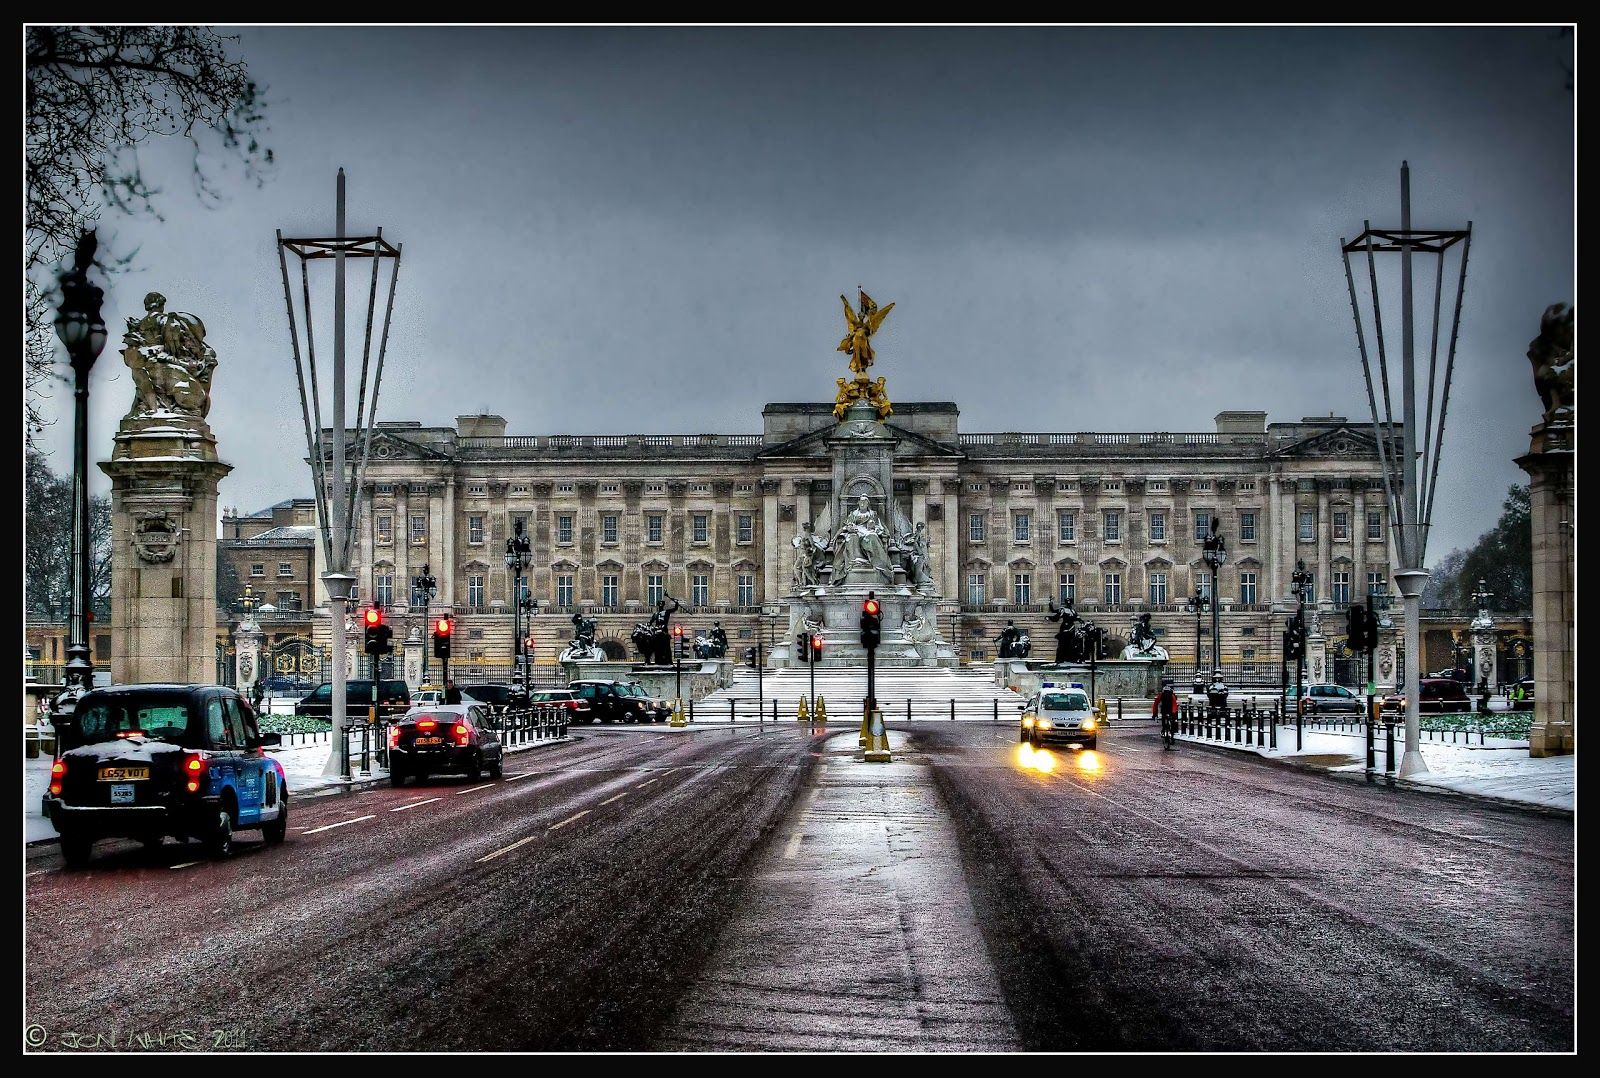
x=341, y=823
x=619, y=797
x=474, y=789
x=647, y=782
x=524, y=775
x=793, y=848
x=414, y=804
x=506, y=849
x=569, y=819
x=186, y=864
x=41, y=872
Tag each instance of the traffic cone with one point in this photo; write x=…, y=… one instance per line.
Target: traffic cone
x=877, y=740
x=678, y=718
x=802, y=715
x=822, y=710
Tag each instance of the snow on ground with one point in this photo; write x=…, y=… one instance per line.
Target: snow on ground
x=1499, y=769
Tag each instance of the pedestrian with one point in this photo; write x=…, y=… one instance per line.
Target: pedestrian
x=452, y=695
x=257, y=691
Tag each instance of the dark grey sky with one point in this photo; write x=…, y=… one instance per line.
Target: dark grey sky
x=647, y=230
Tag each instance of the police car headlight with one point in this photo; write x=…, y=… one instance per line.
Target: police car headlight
x=1027, y=721
x=1044, y=724
x=1088, y=724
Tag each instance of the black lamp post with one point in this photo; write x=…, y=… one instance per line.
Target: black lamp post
x=1215, y=552
x=518, y=556
x=425, y=585
x=1302, y=583
x=83, y=332
x=1197, y=604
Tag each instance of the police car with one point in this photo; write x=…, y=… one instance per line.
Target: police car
x=1059, y=711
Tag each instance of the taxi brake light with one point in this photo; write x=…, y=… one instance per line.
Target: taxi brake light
x=58, y=771
x=426, y=724
x=193, y=767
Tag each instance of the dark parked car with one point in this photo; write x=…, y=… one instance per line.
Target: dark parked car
x=147, y=761
x=619, y=701
x=501, y=698
x=287, y=683
x=394, y=700
x=578, y=709
x=441, y=738
x=1438, y=695
x=1329, y=698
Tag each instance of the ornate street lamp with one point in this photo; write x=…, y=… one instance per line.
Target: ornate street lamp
x=425, y=585
x=1197, y=604
x=83, y=332
x=519, y=555
x=1215, y=552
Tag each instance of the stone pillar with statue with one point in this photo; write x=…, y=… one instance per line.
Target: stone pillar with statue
x=1552, y=496
x=164, y=474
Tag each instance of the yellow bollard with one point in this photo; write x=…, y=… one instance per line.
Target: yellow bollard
x=822, y=710
x=678, y=718
x=866, y=734
x=803, y=715
x=877, y=740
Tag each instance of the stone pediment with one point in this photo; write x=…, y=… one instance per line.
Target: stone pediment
x=813, y=444
x=390, y=446
x=1333, y=444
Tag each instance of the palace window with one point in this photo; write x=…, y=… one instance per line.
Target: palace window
x=652, y=528
x=1341, y=587
x=1248, y=656
x=1202, y=583
x=655, y=588
x=1247, y=589
x=1247, y=486
x=1111, y=486
x=1113, y=588
x=522, y=583
x=418, y=596
x=976, y=487
x=747, y=528
x=608, y=589
x=475, y=529
x=655, y=488
x=1022, y=587
x=976, y=592
x=1341, y=525
x=564, y=590
x=1113, y=525
x=1158, y=527
x=700, y=524
x=1158, y=589
x=1203, y=485
x=1247, y=527
x=1376, y=585
x=744, y=488
x=564, y=527
x=608, y=527
x=563, y=488
x=1065, y=486
x=385, y=529
x=385, y=488
x=1202, y=524
x=285, y=568
x=519, y=488
x=477, y=488
x=1308, y=525
x=699, y=488
x=383, y=589
x=288, y=600
x=609, y=488
x=700, y=590
x=747, y=589
x=1157, y=486
x=1067, y=525
x=977, y=527
x=1067, y=589
x=1022, y=526
x=475, y=591
x=1374, y=524
x=258, y=568
x=419, y=529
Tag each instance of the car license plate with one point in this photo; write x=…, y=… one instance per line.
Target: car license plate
x=430, y=741
x=124, y=774
x=122, y=794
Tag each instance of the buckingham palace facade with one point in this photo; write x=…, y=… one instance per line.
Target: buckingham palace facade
x=1112, y=521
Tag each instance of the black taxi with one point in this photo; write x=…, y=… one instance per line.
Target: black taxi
x=148, y=761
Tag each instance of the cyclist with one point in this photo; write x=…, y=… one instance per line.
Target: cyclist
x=1165, y=708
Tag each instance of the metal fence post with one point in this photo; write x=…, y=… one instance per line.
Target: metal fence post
x=731, y=705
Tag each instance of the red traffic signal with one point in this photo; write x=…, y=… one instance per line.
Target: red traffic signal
x=373, y=616
x=816, y=643
x=871, y=606
x=443, y=627
x=677, y=630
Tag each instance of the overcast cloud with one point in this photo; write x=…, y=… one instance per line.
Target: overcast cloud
x=645, y=230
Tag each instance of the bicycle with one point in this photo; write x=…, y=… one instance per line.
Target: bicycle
x=1169, y=730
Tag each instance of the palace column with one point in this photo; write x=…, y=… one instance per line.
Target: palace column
x=1324, y=542
x=1358, y=541
x=1270, y=529
x=770, y=588
x=950, y=556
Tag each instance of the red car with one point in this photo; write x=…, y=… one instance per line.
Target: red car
x=1438, y=695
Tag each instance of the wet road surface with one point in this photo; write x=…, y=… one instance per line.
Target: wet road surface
x=747, y=888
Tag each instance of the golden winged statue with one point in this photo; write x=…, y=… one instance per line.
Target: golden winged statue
x=858, y=342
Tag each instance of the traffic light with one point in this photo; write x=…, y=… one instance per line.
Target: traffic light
x=1356, y=627
x=1294, y=640
x=1369, y=628
x=802, y=646
x=377, y=633
x=441, y=638
x=871, y=622
x=816, y=648
x=677, y=636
